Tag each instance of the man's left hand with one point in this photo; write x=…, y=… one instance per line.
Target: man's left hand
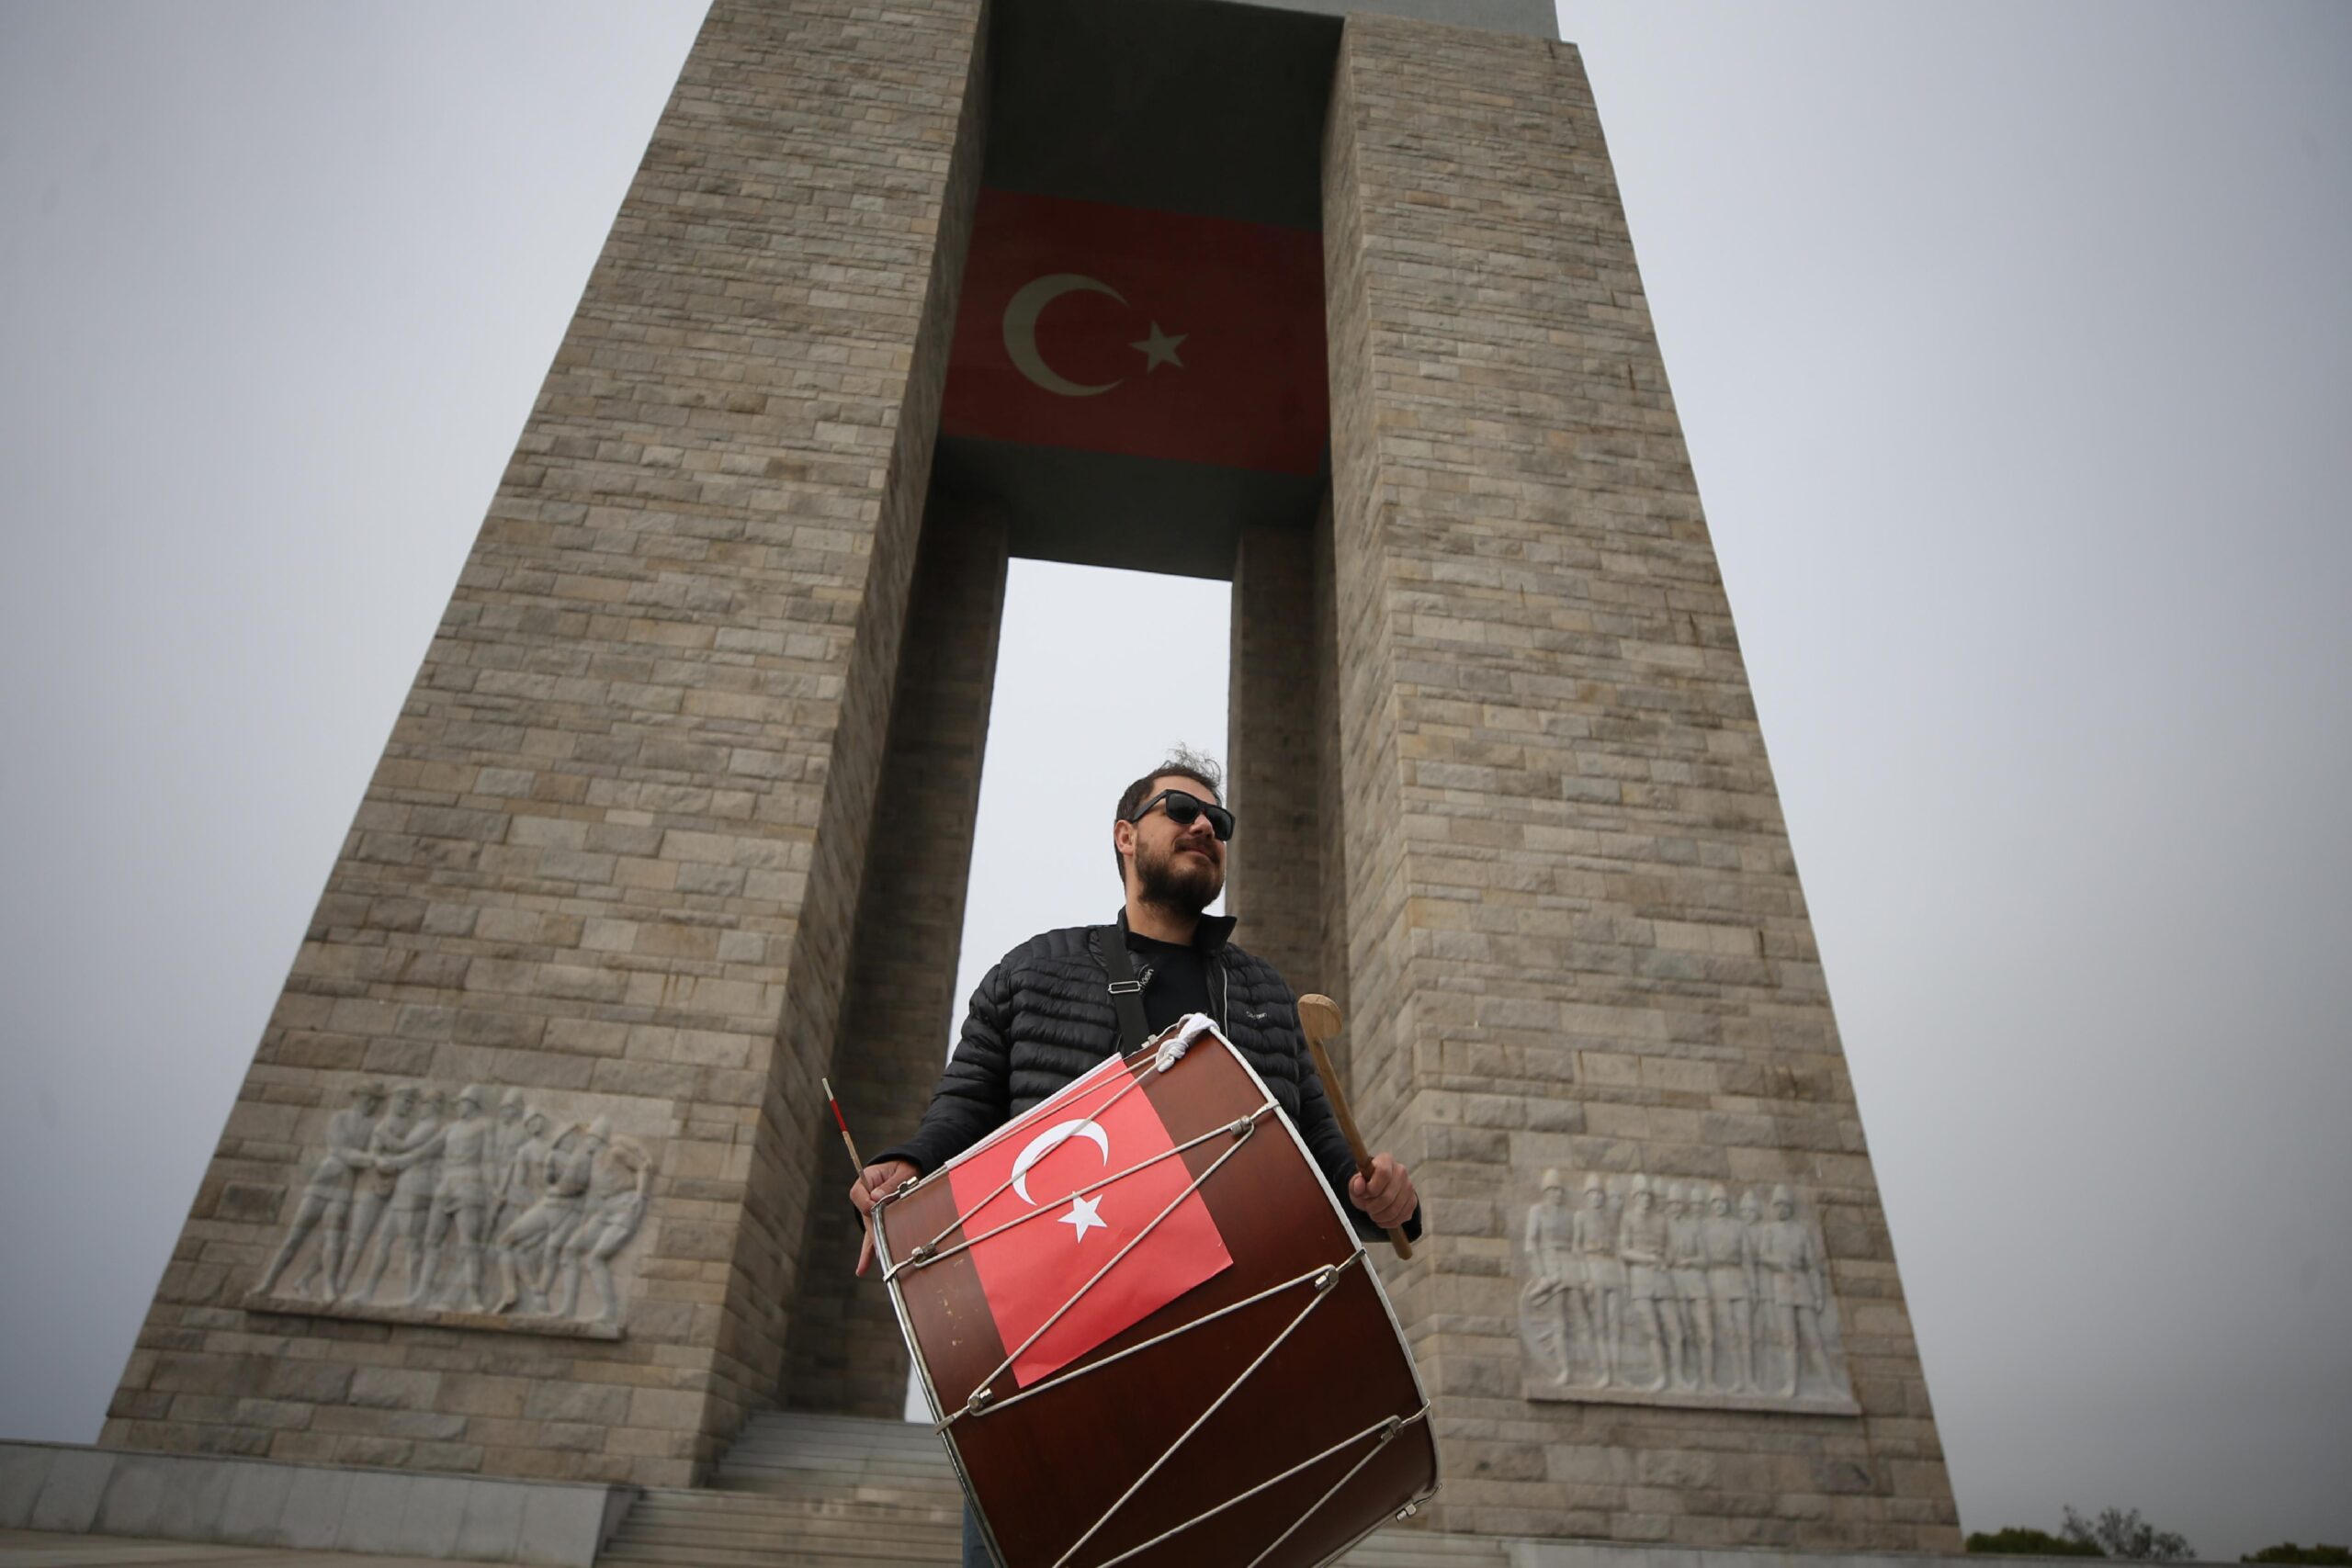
x=1387, y=1199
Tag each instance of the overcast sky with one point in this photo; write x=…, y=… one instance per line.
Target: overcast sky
x=2014, y=347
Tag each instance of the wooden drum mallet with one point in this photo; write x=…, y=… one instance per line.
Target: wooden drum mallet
x=1318, y=1015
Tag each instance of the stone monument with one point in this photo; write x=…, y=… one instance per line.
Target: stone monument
x=528, y=1177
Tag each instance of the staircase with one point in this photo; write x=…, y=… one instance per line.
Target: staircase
x=802, y=1490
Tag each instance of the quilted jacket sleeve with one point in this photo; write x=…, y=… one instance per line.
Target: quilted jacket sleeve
x=974, y=1097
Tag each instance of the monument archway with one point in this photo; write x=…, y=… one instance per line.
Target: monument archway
x=1136, y=380
x=676, y=818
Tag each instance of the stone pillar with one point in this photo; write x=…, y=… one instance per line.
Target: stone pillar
x=847, y=1354
x=1283, y=876
x=1575, y=935
x=609, y=862
x=1273, y=873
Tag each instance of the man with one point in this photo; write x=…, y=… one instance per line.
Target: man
x=1046, y=1013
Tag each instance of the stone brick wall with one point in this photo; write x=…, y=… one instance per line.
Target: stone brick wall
x=1575, y=935
x=847, y=1355
x=614, y=843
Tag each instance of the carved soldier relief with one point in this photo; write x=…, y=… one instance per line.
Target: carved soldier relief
x=1641, y=1291
x=429, y=1206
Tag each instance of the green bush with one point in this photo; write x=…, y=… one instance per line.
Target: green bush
x=2017, y=1541
x=2287, y=1551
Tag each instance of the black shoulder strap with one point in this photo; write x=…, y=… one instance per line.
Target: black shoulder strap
x=1126, y=991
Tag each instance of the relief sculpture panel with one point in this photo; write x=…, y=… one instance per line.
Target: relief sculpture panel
x=1678, y=1292
x=459, y=1207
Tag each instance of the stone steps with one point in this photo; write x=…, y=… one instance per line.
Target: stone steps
x=801, y=1491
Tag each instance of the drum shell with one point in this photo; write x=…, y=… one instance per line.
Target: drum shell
x=1042, y=1469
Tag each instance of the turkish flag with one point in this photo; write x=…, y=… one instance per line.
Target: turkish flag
x=1031, y=1179
x=1152, y=334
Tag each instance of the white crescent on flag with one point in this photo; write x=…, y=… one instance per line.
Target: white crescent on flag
x=1020, y=328
x=1049, y=1140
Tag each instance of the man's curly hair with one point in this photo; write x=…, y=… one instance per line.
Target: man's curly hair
x=1183, y=763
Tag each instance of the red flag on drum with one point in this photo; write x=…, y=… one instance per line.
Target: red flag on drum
x=1040, y=1187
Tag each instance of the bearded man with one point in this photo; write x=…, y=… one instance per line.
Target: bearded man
x=1060, y=1002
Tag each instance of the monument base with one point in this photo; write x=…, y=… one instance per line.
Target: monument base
x=71, y=1490
x=1690, y=1399
x=434, y=1317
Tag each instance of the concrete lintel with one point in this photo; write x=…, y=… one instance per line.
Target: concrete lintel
x=1529, y=18
x=238, y=1501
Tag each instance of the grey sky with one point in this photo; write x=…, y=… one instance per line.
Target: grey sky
x=2015, y=354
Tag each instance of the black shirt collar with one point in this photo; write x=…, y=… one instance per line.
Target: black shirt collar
x=1213, y=933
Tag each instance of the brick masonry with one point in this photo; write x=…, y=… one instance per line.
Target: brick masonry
x=614, y=843
x=1575, y=935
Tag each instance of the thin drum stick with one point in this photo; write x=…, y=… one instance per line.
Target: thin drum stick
x=1319, y=1017
x=847, y=1141
x=866, y=1247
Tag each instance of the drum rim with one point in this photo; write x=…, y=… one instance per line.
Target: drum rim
x=941, y=1426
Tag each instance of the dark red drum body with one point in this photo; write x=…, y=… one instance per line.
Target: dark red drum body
x=1269, y=1417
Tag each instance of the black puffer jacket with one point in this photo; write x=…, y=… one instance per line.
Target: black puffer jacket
x=1043, y=1015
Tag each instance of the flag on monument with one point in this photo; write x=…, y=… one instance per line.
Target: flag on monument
x=1151, y=334
x=1033, y=1177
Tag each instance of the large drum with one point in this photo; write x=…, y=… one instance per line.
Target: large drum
x=1149, y=1335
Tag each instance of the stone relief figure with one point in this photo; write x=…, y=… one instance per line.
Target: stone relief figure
x=326, y=1200
x=533, y=1246
x=1640, y=1244
x=1686, y=1257
x=1604, y=1272
x=507, y=1138
x=378, y=1179
x=617, y=1185
x=414, y=1170
x=1731, y=1272
x=460, y=1195
x=1555, y=1294
x=475, y=1204
x=1682, y=1296
x=1789, y=1270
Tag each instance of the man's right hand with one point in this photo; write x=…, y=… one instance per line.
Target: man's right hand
x=872, y=1184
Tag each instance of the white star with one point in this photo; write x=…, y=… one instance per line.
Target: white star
x=1081, y=1215
x=1159, y=349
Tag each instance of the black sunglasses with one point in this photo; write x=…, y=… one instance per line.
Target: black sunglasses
x=1184, y=808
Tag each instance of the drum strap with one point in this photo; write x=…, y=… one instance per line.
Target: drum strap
x=1126, y=991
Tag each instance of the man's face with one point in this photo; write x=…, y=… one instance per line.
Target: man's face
x=1177, y=868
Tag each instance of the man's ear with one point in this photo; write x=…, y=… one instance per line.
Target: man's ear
x=1122, y=836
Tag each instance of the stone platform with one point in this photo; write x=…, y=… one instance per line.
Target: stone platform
x=797, y=1491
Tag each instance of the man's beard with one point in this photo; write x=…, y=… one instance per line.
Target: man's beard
x=1175, y=882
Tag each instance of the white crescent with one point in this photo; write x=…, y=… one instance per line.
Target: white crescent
x=1020, y=328
x=1049, y=1140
